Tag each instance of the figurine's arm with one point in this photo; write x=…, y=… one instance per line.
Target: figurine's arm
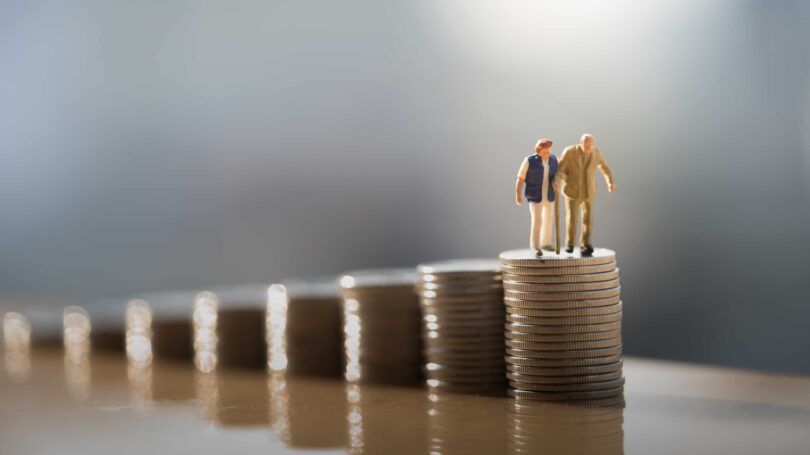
x=518, y=190
x=606, y=172
x=562, y=166
x=521, y=177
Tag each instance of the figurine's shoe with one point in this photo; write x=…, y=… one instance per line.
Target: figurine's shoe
x=587, y=250
x=539, y=253
x=569, y=249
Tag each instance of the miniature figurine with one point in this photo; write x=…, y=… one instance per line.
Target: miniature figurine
x=577, y=167
x=537, y=171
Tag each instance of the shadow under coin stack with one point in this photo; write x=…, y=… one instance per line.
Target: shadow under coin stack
x=462, y=306
x=381, y=321
x=563, y=330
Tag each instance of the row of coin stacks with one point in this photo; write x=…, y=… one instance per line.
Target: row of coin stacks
x=442, y=321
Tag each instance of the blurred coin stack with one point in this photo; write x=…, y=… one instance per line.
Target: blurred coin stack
x=463, y=317
x=563, y=329
x=381, y=323
x=303, y=327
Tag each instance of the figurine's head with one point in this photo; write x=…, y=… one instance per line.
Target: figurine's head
x=543, y=147
x=587, y=141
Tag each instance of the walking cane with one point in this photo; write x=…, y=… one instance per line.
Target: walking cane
x=557, y=218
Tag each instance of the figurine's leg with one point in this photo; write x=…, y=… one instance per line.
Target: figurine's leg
x=571, y=220
x=548, y=220
x=587, y=221
x=534, y=237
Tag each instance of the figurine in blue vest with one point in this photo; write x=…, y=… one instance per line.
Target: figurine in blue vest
x=537, y=173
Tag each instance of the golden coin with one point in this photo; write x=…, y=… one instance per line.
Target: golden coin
x=584, y=387
x=527, y=258
x=567, y=371
x=563, y=329
x=576, y=320
x=563, y=296
x=563, y=363
x=567, y=346
x=562, y=287
x=572, y=312
x=564, y=278
x=562, y=338
x=581, y=379
x=573, y=354
x=566, y=396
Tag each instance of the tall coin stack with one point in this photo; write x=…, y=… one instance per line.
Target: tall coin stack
x=563, y=329
x=463, y=317
x=381, y=321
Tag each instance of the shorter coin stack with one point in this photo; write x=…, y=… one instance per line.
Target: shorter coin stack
x=463, y=317
x=563, y=330
x=381, y=321
x=303, y=328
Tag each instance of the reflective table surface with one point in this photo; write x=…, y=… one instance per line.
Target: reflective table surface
x=50, y=404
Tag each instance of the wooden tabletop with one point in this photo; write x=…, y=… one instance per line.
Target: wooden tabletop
x=53, y=405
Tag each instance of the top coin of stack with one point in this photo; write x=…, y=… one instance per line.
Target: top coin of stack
x=381, y=321
x=463, y=317
x=563, y=329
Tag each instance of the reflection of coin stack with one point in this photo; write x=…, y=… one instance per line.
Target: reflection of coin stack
x=563, y=325
x=303, y=328
x=292, y=399
x=381, y=323
x=541, y=427
x=462, y=305
x=459, y=425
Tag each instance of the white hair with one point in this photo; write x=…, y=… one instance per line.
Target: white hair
x=585, y=137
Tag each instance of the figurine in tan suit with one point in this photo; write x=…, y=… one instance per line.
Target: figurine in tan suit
x=577, y=170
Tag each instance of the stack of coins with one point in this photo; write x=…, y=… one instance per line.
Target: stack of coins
x=563, y=330
x=239, y=324
x=463, y=317
x=382, y=326
x=303, y=328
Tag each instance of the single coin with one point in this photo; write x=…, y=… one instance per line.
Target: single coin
x=432, y=322
x=567, y=371
x=562, y=329
x=481, y=376
x=489, y=307
x=596, y=378
x=535, y=305
x=563, y=296
x=563, y=363
x=467, y=343
x=577, y=320
x=566, y=396
x=528, y=258
x=584, y=387
x=562, y=338
x=567, y=346
x=610, y=406
x=459, y=267
x=562, y=313
x=573, y=354
x=564, y=287
x=558, y=271
x=460, y=288
x=560, y=279
x=464, y=388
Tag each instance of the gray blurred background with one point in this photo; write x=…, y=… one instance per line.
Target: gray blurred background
x=158, y=145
